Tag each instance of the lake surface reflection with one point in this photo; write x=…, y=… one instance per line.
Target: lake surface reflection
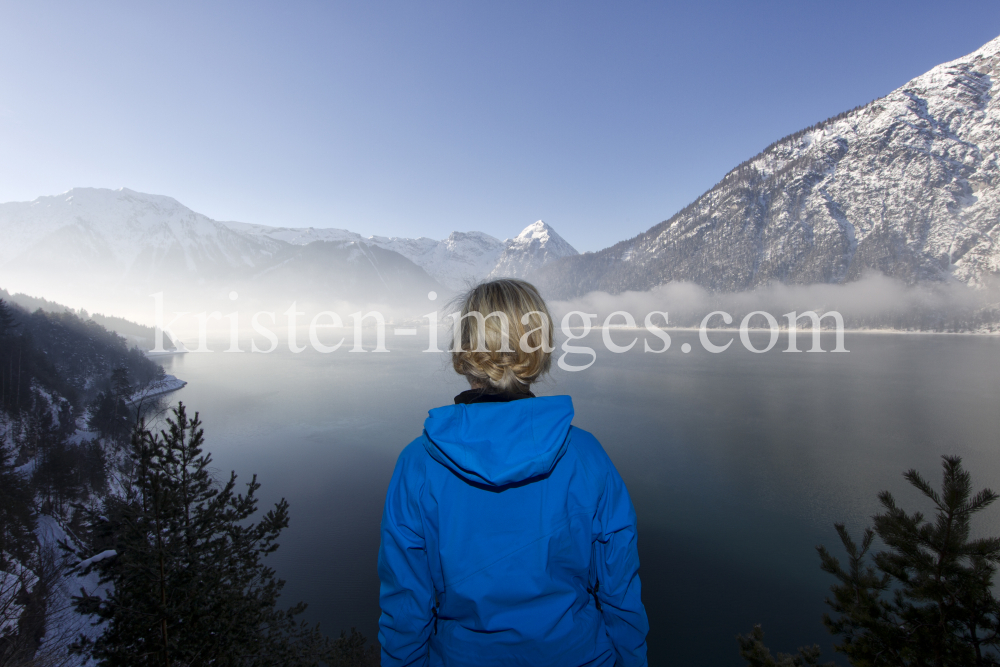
x=738, y=464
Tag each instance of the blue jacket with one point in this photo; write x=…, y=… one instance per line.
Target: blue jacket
x=508, y=538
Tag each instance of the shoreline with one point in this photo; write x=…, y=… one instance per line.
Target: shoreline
x=168, y=384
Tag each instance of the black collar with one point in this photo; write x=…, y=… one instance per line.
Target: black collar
x=481, y=396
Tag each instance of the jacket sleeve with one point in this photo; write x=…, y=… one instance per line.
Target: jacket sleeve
x=406, y=594
x=616, y=562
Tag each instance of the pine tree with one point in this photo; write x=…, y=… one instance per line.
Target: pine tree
x=17, y=519
x=17, y=546
x=10, y=350
x=753, y=650
x=7, y=321
x=110, y=414
x=187, y=582
x=926, y=599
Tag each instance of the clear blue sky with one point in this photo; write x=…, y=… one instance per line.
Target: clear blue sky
x=419, y=118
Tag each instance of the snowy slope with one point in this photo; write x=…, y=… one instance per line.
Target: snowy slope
x=906, y=185
x=129, y=233
x=537, y=245
x=353, y=270
x=65, y=625
x=461, y=258
x=295, y=235
x=94, y=240
x=89, y=240
x=98, y=246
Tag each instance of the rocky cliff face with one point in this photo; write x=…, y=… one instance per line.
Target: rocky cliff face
x=906, y=185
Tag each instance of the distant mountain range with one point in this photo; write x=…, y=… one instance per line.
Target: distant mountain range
x=90, y=242
x=908, y=185
x=461, y=258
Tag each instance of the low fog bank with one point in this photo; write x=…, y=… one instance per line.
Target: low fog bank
x=325, y=286
x=141, y=308
x=874, y=302
x=221, y=315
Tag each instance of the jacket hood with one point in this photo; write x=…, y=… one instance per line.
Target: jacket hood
x=500, y=443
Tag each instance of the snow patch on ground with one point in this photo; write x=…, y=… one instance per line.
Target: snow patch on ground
x=168, y=384
x=64, y=623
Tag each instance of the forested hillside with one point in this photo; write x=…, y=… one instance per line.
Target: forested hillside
x=68, y=389
x=135, y=335
x=117, y=543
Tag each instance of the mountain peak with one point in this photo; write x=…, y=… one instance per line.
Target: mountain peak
x=536, y=245
x=542, y=234
x=536, y=230
x=128, y=232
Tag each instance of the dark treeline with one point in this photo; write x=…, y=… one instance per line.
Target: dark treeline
x=136, y=335
x=83, y=473
x=62, y=354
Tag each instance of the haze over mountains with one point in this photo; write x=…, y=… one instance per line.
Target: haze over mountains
x=89, y=243
x=453, y=262
x=906, y=185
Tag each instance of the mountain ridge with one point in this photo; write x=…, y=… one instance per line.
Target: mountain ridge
x=122, y=245
x=460, y=259
x=906, y=185
x=118, y=243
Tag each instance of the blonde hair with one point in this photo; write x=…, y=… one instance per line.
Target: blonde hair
x=503, y=336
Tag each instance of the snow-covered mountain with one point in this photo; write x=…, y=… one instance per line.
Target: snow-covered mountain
x=95, y=245
x=908, y=185
x=295, y=235
x=537, y=245
x=326, y=271
x=114, y=243
x=461, y=258
x=123, y=236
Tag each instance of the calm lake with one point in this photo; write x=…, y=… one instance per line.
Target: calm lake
x=738, y=464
